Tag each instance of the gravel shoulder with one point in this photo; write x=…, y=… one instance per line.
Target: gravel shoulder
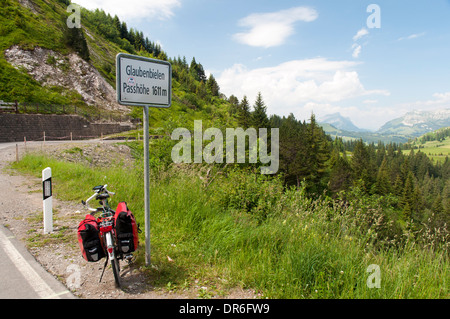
x=59, y=253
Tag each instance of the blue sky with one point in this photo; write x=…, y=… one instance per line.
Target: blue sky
x=317, y=56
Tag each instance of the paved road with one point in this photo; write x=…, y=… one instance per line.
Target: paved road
x=22, y=276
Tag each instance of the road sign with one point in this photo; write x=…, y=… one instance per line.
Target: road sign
x=143, y=81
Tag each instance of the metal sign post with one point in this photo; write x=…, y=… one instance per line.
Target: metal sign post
x=147, y=187
x=144, y=82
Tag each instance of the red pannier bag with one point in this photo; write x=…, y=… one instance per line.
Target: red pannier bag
x=89, y=239
x=126, y=229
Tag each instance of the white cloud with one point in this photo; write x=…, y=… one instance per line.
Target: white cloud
x=370, y=101
x=288, y=86
x=134, y=9
x=412, y=36
x=356, y=50
x=272, y=29
x=361, y=33
x=442, y=97
x=439, y=101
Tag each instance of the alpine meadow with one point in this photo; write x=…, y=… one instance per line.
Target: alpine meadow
x=342, y=218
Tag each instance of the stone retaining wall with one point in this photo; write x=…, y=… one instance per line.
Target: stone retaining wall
x=16, y=127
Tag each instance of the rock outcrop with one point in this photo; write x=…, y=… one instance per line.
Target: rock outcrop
x=69, y=71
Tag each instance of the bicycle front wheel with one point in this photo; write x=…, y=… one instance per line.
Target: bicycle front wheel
x=116, y=270
x=112, y=256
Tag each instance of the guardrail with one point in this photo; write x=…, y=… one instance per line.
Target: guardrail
x=60, y=109
x=8, y=107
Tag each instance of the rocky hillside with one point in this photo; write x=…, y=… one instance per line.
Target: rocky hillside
x=44, y=61
x=69, y=72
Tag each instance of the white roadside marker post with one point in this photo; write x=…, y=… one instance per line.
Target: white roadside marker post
x=47, y=200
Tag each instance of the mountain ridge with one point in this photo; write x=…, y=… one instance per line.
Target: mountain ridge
x=340, y=122
x=409, y=126
x=417, y=122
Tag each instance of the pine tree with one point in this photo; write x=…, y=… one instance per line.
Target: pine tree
x=259, y=118
x=124, y=30
x=398, y=186
x=406, y=212
x=234, y=105
x=76, y=40
x=244, y=113
x=441, y=215
x=407, y=200
x=197, y=71
x=437, y=208
x=360, y=165
x=275, y=121
x=418, y=207
x=184, y=63
x=212, y=86
x=132, y=37
x=381, y=153
x=340, y=174
x=383, y=184
x=291, y=160
x=316, y=153
x=138, y=40
x=116, y=23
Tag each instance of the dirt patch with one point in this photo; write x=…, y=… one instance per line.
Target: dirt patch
x=59, y=253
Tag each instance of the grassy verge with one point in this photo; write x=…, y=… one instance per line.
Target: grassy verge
x=245, y=230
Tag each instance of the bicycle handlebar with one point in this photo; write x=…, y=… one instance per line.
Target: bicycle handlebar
x=98, y=190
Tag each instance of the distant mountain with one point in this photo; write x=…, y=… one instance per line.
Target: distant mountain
x=417, y=123
x=340, y=122
x=369, y=137
x=400, y=130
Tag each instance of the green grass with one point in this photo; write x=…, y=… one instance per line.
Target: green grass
x=435, y=150
x=246, y=231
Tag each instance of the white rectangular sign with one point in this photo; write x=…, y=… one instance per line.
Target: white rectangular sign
x=143, y=81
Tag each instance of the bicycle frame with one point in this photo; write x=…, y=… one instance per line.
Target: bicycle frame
x=107, y=231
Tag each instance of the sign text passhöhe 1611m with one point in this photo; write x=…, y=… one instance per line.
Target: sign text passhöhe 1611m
x=141, y=88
